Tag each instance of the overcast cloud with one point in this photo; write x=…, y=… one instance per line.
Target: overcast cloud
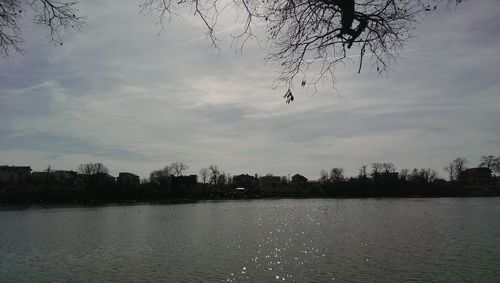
x=117, y=93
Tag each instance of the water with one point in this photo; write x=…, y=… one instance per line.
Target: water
x=389, y=240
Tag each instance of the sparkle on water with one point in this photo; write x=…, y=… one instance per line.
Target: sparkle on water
x=389, y=240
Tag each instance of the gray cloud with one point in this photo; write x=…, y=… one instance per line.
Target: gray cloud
x=119, y=94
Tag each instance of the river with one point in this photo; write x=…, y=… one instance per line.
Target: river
x=303, y=240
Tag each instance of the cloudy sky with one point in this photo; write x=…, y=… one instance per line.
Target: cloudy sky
x=118, y=93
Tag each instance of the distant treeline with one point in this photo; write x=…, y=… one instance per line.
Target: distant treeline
x=92, y=183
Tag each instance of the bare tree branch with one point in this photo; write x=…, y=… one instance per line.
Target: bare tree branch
x=56, y=15
x=303, y=34
x=320, y=33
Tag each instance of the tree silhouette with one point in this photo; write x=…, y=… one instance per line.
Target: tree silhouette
x=56, y=15
x=178, y=168
x=456, y=167
x=214, y=174
x=363, y=172
x=377, y=168
x=204, y=174
x=302, y=34
x=424, y=175
x=323, y=176
x=491, y=162
x=404, y=174
x=92, y=169
x=310, y=33
x=389, y=167
x=161, y=177
x=337, y=175
x=92, y=174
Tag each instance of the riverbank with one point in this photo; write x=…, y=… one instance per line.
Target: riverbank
x=450, y=192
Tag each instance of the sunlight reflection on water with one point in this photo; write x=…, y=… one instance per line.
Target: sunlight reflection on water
x=265, y=240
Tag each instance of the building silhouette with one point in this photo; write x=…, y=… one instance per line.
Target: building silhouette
x=476, y=176
x=15, y=174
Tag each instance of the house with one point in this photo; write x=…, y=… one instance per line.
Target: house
x=299, y=179
x=184, y=185
x=63, y=177
x=38, y=177
x=245, y=181
x=15, y=174
x=270, y=181
x=476, y=176
x=127, y=180
x=93, y=181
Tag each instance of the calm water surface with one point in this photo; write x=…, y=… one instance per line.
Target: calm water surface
x=389, y=240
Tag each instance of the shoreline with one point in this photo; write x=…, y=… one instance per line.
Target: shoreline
x=71, y=204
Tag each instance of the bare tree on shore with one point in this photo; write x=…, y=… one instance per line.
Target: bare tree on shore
x=456, y=167
x=491, y=162
x=204, y=174
x=214, y=173
x=178, y=168
x=92, y=169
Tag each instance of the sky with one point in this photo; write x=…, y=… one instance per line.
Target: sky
x=121, y=93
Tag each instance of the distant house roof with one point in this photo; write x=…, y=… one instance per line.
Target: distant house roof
x=15, y=168
x=244, y=178
x=127, y=174
x=478, y=171
x=298, y=178
x=270, y=178
x=15, y=173
x=476, y=175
